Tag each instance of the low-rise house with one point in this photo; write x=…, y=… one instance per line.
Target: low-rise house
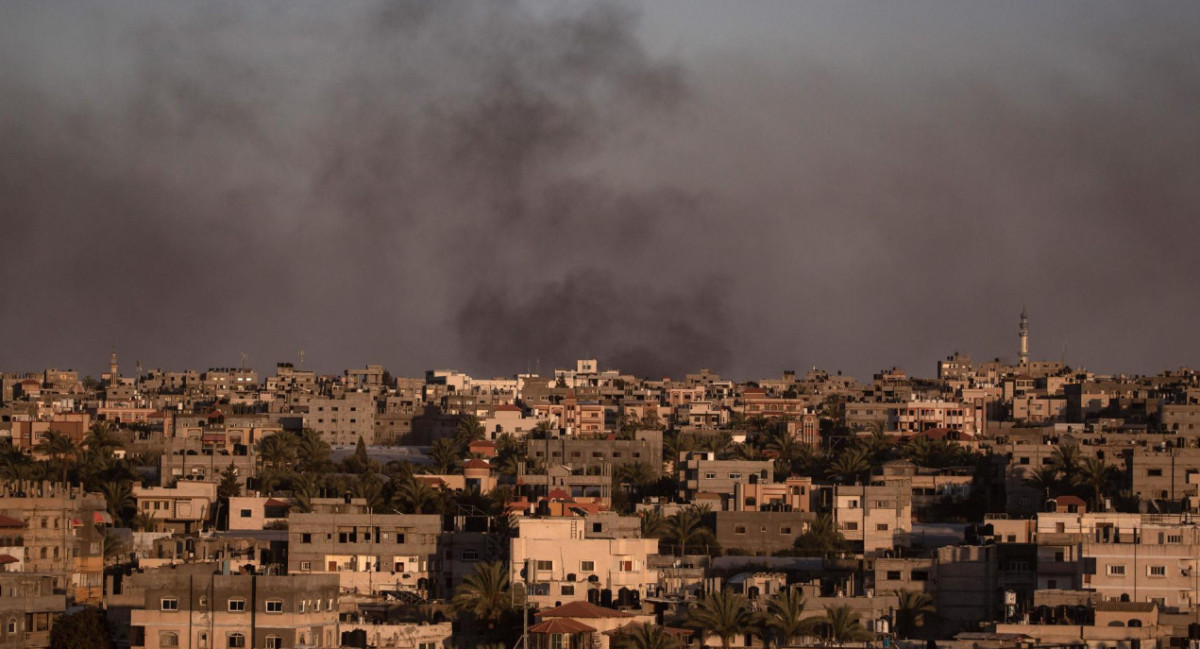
x=184, y=507
x=257, y=512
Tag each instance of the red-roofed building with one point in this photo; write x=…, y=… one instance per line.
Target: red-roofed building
x=561, y=633
x=604, y=622
x=482, y=448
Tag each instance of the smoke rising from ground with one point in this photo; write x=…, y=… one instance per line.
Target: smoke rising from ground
x=483, y=185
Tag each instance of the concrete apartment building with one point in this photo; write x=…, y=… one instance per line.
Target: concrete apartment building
x=760, y=532
x=585, y=452
x=28, y=606
x=1164, y=474
x=371, y=553
x=1180, y=419
x=60, y=538
x=796, y=494
x=920, y=415
x=343, y=421
x=563, y=482
x=197, y=608
x=879, y=516
x=567, y=563
x=702, y=473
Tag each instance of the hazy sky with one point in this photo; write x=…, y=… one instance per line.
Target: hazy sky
x=749, y=186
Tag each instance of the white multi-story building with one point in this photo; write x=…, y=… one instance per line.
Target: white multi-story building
x=574, y=559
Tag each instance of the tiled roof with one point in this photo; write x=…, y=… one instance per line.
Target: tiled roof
x=582, y=609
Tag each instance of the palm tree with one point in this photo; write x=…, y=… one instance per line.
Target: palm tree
x=821, y=538
x=652, y=523
x=1044, y=479
x=145, y=521
x=1066, y=459
x=484, y=594
x=444, y=454
x=634, y=475
x=1097, y=476
x=118, y=494
x=101, y=435
x=840, y=625
x=724, y=614
x=784, y=617
x=850, y=466
x=647, y=636
x=912, y=611
x=312, y=452
x=415, y=496
x=468, y=430
x=542, y=429
x=370, y=489
x=687, y=527
x=275, y=451
x=58, y=446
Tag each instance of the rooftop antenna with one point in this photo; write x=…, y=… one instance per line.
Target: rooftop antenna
x=301, y=355
x=243, y=365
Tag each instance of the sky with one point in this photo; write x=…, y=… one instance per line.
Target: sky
x=499, y=187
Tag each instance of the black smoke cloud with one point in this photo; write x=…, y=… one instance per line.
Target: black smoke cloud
x=483, y=185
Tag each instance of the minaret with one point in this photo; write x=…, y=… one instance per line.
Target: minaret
x=112, y=368
x=1023, y=355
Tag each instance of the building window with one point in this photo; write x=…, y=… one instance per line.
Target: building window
x=568, y=589
x=1116, y=569
x=203, y=640
x=470, y=555
x=1156, y=571
x=785, y=530
x=168, y=639
x=850, y=525
x=739, y=529
x=710, y=476
x=881, y=527
x=893, y=575
x=557, y=641
x=12, y=625
x=168, y=604
x=1174, y=538
x=236, y=641
x=237, y=605
x=274, y=642
x=587, y=566
x=306, y=565
x=545, y=565
x=245, y=513
x=1154, y=473
x=274, y=605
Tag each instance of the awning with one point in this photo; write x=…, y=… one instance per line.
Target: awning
x=6, y=559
